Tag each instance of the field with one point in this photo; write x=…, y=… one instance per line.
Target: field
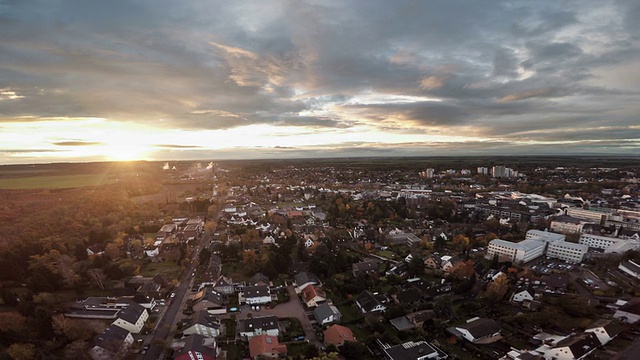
x=57, y=181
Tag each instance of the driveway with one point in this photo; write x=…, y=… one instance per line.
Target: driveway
x=292, y=308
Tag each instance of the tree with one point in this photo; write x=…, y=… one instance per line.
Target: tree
x=22, y=351
x=497, y=289
x=98, y=277
x=353, y=350
x=310, y=351
x=462, y=270
x=251, y=261
x=460, y=242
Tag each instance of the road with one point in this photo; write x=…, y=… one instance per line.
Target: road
x=161, y=337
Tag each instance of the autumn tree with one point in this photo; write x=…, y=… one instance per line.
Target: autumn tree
x=22, y=351
x=462, y=270
x=460, y=242
x=251, y=261
x=98, y=277
x=497, y=289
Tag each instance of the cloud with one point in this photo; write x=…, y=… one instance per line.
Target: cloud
x=174, y=146
x=496, y=69
x=77, y=143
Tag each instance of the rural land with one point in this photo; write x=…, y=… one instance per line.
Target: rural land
x=355, y=258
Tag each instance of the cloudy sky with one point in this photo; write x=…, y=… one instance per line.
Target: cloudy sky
x=87, y=80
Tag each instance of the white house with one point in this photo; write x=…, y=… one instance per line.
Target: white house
x=573, y=348
x=523, y=294
x=260, y=294
x=605, y=330
x=368, y=302
x=132, y=318
x=631, y=268
x=268, y=325
x=313, y=296
x=202, y=323
x=326, y=314
x=478, y=329
x=628, y=313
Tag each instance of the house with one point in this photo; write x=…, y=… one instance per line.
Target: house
x=203, y=323
x=630, y=268
x=269, y=240
x=148, y=302
x=132, y=318
x=266, y=347
x=412, y=321
x=195, y=347
x=523, y=294
x=432, y=262
x=259, y=279
x=95, y=249
x=605, y=330
x=310, y=221
x=479, y=330
x=629, y=312
x=364, y=267
x=224, y=285
x=556, y=283
x=448, y=262
x=368, y=302
x=338, y=335
x=249, y=328
x=410, y=297
x=207, y=299
x=304, y=279
x=260, y=294
x=573, y=348
x=325, y=314
x=420, y=350
x=112, y=343
x=309, y=243
x=312, y=295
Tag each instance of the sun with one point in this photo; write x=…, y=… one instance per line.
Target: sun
x=125, y=152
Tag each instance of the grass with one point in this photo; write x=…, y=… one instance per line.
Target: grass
x=168, y=268
x=58, y=181
x=387, y=253
x=349, y=314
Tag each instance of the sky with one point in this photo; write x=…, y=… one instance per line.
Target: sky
x=168, y=80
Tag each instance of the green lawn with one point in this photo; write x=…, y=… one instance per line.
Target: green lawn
x=58, y=181
x=169, y=268
x=387, y=253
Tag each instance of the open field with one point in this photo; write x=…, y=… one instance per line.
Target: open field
x=58, y=181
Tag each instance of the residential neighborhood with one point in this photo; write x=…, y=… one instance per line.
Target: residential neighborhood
x=361, y=265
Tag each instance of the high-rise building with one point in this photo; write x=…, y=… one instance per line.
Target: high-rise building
x=483, y=170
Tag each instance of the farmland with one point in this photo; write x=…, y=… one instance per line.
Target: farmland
x=56, y=181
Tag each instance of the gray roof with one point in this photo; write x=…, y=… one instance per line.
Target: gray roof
x=256, y=291
x=481, y=328
x=259, y=277
x=111, y=338
x=197, y=343
x=402, y=323
x=580, y=344
x=413, y=350
x=202, y=317
x=262, y=322
x=324, y=311
x=368, y=301
x=304, y=277
x=131, y=313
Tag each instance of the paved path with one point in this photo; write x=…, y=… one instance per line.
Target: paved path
x=292, y=308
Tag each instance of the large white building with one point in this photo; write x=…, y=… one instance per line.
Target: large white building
x=570, y=252
x=566, y=227
x=521, y=252
x=537, y=243
x=609, y=244
x=595, y=214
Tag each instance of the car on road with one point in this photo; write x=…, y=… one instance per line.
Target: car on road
x=172, y=295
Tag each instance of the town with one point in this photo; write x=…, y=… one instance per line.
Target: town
x=338, y=258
